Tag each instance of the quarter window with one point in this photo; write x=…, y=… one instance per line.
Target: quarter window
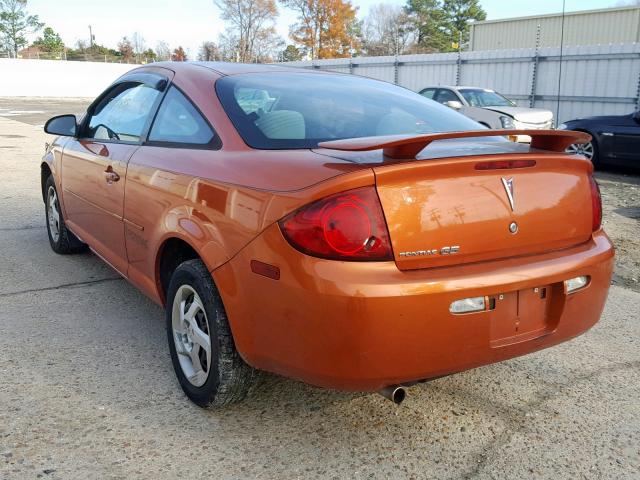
x=123, y=113
x=428, y=93
x=178, y=121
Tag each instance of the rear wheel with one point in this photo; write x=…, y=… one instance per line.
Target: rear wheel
x=589, y=150
x=207, y=364
x=60, y=237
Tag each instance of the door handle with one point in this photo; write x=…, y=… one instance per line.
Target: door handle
x=110, y=176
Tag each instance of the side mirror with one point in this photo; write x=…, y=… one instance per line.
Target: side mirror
x=65, y=125
x=456, y=105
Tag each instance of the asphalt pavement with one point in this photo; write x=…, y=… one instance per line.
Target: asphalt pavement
x=88, y=389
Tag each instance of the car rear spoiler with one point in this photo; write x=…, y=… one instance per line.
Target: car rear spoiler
x=408, y=146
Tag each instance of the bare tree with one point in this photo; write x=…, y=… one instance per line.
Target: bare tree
x=163, y=51
x=228, y=44
x=267, y=46
x=139, y=45
x=251, y=22
x=209, y=52
x=81, y=45
x=388, y=30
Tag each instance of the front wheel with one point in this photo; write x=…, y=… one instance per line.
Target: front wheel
x=207, y=364
x=61, y=239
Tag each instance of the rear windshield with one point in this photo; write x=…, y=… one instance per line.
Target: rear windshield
x=299, y=110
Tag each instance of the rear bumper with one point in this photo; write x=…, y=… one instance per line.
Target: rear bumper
x=363, y=326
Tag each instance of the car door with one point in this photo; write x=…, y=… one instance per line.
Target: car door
x=480, y=115
x=626, y=139
x=161, y=176
x=94, y=165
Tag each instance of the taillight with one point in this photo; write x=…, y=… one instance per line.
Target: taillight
x=505, y=164
x=596, y=204
x=345, y=226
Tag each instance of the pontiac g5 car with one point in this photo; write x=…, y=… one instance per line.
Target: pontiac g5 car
x=329, y=228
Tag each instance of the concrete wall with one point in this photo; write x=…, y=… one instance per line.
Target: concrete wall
x=56, y=78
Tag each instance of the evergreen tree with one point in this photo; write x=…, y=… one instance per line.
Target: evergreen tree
x=457, y=15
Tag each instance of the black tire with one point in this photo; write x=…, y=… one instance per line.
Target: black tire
x=229, y=378
x=595, y=159
x=66, y=242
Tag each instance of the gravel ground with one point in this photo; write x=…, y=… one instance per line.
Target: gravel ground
x=621, y=220
x=88, y=389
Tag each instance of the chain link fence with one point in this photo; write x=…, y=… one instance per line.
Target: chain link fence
x=575, y=82
x=75, y=56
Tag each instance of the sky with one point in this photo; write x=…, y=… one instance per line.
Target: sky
x=190, y=22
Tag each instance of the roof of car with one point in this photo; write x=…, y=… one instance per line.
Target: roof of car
x=458, y=87
x=229, y=68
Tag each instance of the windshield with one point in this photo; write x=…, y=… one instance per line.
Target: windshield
x=299, y=110
x=478, y=97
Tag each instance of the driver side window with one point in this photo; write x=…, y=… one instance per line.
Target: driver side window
x=445, y=95
x=123, y=113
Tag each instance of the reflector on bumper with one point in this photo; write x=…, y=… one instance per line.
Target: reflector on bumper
x=468, y=305
x=576, y=283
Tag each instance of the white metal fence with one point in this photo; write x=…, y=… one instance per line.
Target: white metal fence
x=594, y=80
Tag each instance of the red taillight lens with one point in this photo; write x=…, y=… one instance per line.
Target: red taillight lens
x=596, y=204
x=346, y=226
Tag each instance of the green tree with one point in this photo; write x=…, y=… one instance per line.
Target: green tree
x=291, y=54
x=457, y=15
x=149, y=55
x=16, y=24
x=429, y=18
x=50, y=42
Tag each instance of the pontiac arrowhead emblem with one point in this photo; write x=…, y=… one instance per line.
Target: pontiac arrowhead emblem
x=508, y=187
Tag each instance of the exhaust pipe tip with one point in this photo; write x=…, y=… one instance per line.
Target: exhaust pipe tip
x=395, y=393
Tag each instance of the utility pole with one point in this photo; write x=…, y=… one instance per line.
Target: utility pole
x=459, y=61
x=560, y=64
x=90, y=37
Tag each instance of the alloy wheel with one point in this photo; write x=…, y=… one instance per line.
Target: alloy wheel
x=585, y=149
x=191, y=335
x=53, y=214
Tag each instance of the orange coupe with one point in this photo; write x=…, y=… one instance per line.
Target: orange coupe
x=333, y=229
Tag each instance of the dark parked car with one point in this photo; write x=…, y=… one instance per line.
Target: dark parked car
x=616, y=139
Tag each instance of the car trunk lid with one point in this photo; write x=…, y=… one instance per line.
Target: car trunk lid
x=450, y=211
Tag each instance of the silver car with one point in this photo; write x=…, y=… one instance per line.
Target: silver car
x=489, y=108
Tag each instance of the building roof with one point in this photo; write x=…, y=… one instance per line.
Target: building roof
x=559, y=14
